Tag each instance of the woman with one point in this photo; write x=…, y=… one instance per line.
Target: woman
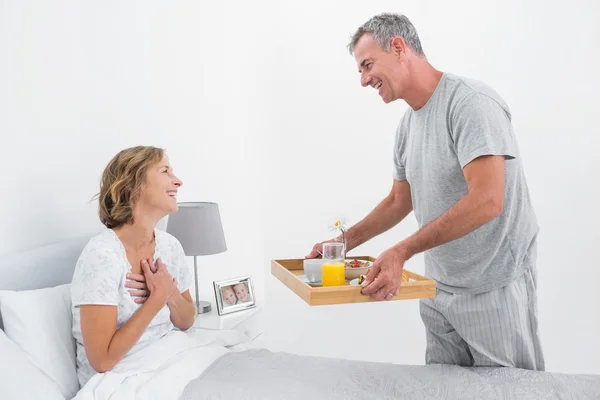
x=130, y=285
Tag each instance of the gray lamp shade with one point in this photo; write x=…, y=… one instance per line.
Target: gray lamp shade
x=197, y=226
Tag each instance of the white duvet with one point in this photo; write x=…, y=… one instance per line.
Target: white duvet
x=163, y=369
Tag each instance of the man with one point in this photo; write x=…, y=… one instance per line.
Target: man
x=458, y=167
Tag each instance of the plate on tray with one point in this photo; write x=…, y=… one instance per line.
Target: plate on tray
x=353, y=282
x=304, y=279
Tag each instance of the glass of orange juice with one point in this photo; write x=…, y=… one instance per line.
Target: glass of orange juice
x=333, y=272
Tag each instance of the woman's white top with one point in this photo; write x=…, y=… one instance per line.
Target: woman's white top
x=100, y=276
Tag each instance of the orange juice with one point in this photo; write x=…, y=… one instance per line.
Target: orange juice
x=333, y=273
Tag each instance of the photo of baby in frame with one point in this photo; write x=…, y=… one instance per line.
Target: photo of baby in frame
x=234, y=295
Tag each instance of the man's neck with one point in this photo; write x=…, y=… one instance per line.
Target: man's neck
x=424, y=81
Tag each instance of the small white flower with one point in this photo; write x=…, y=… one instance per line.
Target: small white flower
x=339, y=225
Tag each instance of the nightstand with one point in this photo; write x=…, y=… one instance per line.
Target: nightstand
x=212, y=320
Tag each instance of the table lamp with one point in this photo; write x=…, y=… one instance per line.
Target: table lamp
x=197, y=226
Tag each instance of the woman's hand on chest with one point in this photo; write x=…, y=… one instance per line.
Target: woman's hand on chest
x=161, y=284
x=137, y=287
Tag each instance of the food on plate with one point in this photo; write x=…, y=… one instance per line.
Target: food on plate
x=361, y=278
x=357, y=264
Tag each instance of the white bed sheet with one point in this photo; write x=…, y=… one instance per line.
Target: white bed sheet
x=163, y=369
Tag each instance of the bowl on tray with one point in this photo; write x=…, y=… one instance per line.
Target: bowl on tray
x=354, y=268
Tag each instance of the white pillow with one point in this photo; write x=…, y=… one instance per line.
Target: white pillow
x=39, y=322
x=19, y=378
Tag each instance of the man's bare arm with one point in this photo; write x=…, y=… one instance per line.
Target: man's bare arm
x=483, y=202
x=390, y=212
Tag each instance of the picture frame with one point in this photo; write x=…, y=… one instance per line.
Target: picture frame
x=235, y=294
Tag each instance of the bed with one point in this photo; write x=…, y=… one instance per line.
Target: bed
x=38, y=357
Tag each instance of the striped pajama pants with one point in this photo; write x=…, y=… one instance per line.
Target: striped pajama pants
x=496, y=328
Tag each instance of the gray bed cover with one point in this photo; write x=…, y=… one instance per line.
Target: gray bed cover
x=265, y=375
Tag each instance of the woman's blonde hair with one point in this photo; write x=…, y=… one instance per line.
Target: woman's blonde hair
x=122, y=181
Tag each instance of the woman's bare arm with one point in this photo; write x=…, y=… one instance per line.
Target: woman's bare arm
x=183, y=311
x=105, y=345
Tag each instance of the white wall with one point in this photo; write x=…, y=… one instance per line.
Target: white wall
x=330, y=146
x=81, y=81
x=260, y=107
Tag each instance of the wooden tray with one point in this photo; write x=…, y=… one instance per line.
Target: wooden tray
x=288, y=271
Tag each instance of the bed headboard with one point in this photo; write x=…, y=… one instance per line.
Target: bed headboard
x=41, y=267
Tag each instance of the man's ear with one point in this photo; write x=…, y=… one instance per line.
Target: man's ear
x=398, y=46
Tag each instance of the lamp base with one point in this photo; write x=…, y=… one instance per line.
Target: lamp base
x=203, y=307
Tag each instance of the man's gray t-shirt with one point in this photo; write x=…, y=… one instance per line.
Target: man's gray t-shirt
x=462, y=120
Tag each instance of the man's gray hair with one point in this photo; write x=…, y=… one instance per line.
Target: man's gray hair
x=384, y=27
